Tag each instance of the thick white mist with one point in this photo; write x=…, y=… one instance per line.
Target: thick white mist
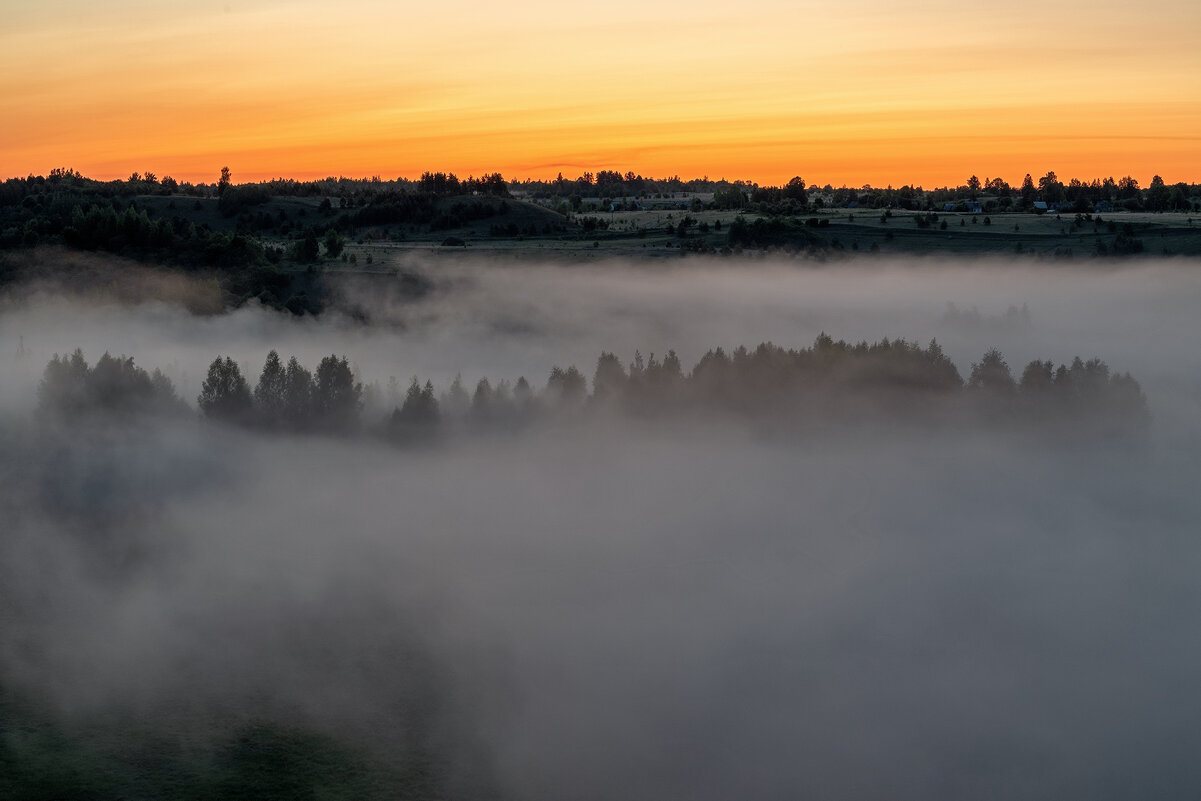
x=627, y=609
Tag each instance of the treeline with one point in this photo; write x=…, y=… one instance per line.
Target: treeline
x=124, y=217
x=352, y=192
x=995, y=195
x=133, y=232
x=148, y=183
x=1048, y=193
x=66, y=207
x=287, y=397
x=100, y=217
x=830, y=383
x=616, y=184
x=73, y=389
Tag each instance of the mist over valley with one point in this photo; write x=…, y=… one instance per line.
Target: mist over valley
x=614, y=602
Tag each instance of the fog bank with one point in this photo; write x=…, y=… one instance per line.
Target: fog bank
x=502, y=321
x=632, y=609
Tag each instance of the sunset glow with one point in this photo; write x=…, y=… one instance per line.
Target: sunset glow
x=846, y=93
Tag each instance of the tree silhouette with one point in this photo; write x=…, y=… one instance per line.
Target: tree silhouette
x=456, y=401
x=114, y=386
x=609, y=380
x=225, y=394
x=333, y=243
x=270, y=393
x=298, y=395
x=1028, y=192
x=64, y=385
x=417, y=419
x=336, y=397
x=1157, y=195
x=1038, y=378
x=566, y=388
x=992, y=375
x=795, y=190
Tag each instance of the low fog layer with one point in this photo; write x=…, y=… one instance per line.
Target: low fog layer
x=503, y=321
x=632, y=610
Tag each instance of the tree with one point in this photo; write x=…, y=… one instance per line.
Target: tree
x=225, y=394
x=481, y=401
x=336, y=397
x=672, y=371
x=1178, y=198
x=1028, y=191
x=523, y=395
x=494, y=184
x=795, y=190
x=298, y=395
x=610, y=378
x=333, y=243
x=118, y=385
x=418, y=418
x=308, y=249
x=941, y=373
x=456, y=401
x=1157, y=195
x=270, y=393
x=1037, y=378
x=1050, y=188
x=64, y=385
x=1127, y=188
x=991, y=374
x=224, y=183
x=731, y=198
x=115, y=386
x=973, y=185
x=997, y=186
x=567, y=387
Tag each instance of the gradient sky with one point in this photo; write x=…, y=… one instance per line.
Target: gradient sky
x=838, y=91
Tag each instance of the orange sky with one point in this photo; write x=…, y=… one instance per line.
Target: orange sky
x=837, y=91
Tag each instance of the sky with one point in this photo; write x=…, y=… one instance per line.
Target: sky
x=923, y=92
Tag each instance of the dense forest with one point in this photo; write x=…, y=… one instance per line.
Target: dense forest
x=829, y=384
